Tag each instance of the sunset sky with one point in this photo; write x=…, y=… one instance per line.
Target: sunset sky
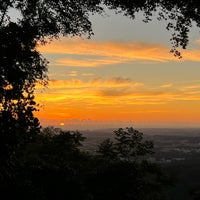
x=123, y=76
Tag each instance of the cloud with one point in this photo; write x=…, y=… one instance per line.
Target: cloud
x=190, y=87
x=86, y=62
x=198, y=41
x=115, y=91
x=117, y=98
x=92, y=83
x=73, y=73
x=93, y=53
x=119, y=80
x=191, y=55
x=128, y=50
x=104, y=91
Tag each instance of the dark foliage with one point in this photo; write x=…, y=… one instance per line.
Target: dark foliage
x=127, y=145
x=20, y=67
x=54, y=167
x=195, y=193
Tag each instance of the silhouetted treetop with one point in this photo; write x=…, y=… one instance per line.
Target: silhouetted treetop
x=71, y=17
x=128, y=144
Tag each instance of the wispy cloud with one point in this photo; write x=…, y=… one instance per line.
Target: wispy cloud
x=167, y=85
x=117, y=98
x=111, y=52
x=73, y=73
x=126, y=91
x=87, y=62
x=94, y=82
x=192, y=87
x=198, y=41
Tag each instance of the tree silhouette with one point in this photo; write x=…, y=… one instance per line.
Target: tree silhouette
x=128, y=145
x=126, y=173
x=53, y=166
x=48, y=167
x=107, y=149
x=20, y=67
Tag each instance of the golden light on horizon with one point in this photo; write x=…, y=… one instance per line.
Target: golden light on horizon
x=118, y=98
x=119, y=81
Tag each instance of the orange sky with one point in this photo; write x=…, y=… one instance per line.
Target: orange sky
x=120, y=81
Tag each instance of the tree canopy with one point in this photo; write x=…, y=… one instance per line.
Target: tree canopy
x=54, y=166
x=21, y=66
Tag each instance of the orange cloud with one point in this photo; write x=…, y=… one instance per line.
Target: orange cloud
x=111, y=52
x=198, y=41
x=87, y=62
x=95, y=82
x=192, y=87
x=167, y=85
x=115, y=92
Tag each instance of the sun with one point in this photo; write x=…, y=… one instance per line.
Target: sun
x=62, y=124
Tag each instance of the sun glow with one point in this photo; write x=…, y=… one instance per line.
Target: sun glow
x=119, y=81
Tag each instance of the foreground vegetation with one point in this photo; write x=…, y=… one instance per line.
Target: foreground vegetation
x=52, y=166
